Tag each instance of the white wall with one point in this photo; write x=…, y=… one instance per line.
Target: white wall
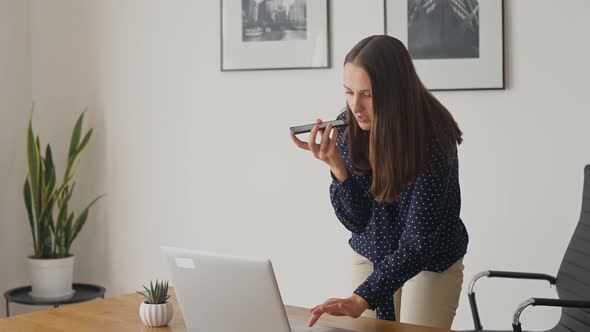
x=173, y=151
x=15, y=104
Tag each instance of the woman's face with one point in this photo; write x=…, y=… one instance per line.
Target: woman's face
x=357, y=86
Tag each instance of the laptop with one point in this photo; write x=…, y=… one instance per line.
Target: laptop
x=230, y=293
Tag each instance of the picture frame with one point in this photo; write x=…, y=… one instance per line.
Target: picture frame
x=454, y=44
x=274, y=34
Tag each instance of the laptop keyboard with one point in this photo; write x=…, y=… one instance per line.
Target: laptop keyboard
x=301, y=326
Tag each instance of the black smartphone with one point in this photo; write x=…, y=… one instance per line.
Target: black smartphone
x=307, y=128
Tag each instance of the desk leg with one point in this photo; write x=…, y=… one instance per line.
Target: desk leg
x=7, y=309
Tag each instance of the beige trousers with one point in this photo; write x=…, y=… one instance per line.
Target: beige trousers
x=429, y=298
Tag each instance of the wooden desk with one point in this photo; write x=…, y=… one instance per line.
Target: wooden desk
x=122, y=314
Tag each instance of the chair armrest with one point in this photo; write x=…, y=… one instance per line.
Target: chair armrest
x=500, y=274
x=522, y=275
x=545, y=302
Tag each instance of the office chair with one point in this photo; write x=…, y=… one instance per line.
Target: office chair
x=572, y=281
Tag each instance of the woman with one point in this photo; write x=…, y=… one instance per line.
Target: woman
x=395, y=186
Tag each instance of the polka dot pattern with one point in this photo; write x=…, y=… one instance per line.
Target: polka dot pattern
x=421, y=231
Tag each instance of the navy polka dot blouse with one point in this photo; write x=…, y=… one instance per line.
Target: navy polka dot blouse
x=421, y=231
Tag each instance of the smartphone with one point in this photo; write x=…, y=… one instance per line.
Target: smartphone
x=307, y=128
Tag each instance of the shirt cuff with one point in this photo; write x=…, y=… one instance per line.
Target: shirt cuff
x=335, y=180
x=373, y=297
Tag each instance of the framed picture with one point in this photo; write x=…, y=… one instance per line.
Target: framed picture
x=454, y=44
x=274, y=34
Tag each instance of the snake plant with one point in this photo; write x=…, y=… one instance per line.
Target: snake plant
x=53, y=226
x=156, y=294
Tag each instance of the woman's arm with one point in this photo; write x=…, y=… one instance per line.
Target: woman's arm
x=352, y=204
x=419, y=238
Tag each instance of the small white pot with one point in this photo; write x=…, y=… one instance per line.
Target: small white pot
x=52, y=278
x=156, y=315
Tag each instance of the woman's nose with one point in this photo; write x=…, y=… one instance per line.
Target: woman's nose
x=355, y=104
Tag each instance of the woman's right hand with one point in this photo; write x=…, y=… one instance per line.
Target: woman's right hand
x=326, y=151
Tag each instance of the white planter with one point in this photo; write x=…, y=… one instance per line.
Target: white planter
x=156, y=315
x=52, y=278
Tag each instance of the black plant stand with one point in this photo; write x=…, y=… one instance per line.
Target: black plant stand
x=82, y=292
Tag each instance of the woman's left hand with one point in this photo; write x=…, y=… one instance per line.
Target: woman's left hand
x=352, y=306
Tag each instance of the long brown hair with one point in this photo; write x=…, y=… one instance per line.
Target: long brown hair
x=406, y=119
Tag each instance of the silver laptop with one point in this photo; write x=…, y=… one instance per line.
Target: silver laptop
x=219, y=293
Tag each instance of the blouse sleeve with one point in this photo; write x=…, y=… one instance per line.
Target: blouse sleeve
x=352, y=202
x=418, y=240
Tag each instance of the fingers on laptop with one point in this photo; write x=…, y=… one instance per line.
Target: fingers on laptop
x=313, y=319
x=334, y=307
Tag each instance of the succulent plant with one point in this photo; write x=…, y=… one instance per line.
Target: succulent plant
x=156, y=294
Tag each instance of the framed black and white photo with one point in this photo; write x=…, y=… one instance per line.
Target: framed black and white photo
x=454, y=44
x=274, y=34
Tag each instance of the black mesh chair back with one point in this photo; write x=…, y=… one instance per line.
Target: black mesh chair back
x=572, y=281
x=573, y=278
